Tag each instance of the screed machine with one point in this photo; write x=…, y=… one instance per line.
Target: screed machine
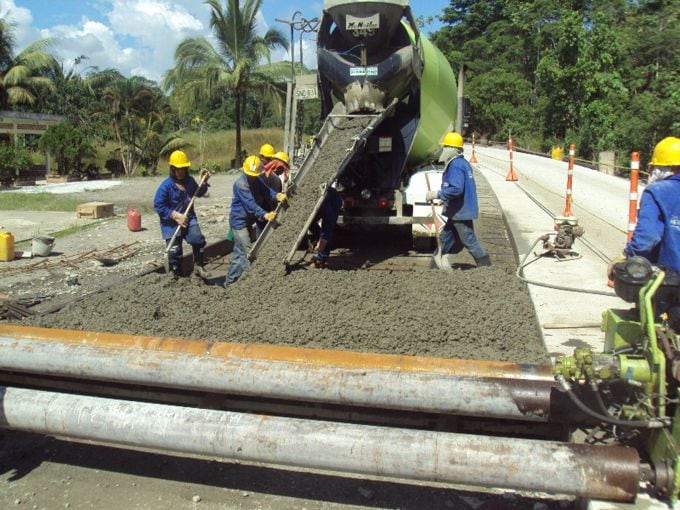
x=477, y=423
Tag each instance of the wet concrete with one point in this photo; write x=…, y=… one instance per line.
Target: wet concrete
x=483, y=313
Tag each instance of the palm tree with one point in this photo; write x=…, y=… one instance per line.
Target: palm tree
x=203, y=72
x=129, y=102
x=22, y=76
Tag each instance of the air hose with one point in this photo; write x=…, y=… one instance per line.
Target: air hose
x=520, y=274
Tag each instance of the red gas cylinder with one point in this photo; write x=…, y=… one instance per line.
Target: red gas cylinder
x=134, y=220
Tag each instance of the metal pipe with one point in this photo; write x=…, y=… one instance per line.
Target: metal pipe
x=461, y=387
x=601, y=472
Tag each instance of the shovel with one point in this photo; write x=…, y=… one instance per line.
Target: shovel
x=186, y=211
x=438, y=256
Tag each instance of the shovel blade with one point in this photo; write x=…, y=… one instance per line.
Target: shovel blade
x=439, y=261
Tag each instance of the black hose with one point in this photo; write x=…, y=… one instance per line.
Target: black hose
x=643, y=424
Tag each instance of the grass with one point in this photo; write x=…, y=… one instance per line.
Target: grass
x=218, y=147
x=36, y=202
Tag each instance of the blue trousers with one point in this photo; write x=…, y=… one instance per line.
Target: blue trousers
x=457, y=235
x=328, y=214
x=195, y=238
x=239, y=257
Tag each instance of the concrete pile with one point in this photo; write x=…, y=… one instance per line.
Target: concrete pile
x=482, y=313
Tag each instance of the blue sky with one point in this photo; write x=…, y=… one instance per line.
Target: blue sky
x=140, y=36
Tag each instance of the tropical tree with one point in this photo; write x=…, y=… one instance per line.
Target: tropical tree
x=128, y=102
x=21, y=77
x=203, y=71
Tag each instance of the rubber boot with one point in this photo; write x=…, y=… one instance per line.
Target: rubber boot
x=199, y=268
x=485, y=261
x=176, y=272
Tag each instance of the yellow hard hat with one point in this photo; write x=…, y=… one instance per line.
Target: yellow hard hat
x=281, y=156
x=267, y=151
x=452, y=139
x=179, y=159
x=252, y=166
x=667, y=152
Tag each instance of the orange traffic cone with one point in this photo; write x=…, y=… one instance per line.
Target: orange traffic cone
x=512, y=176
x=473, y=159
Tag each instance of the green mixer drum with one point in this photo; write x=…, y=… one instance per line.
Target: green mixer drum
x=437, y=104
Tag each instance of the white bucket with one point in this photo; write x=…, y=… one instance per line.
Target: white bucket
x=42, y=246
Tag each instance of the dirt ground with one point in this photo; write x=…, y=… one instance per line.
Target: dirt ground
x=474, y=313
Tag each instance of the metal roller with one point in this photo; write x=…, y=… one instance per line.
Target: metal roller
x=601, y=472
x=433, y=385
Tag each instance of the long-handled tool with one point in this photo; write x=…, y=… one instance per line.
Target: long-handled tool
x=186, y=211
x=438, y=257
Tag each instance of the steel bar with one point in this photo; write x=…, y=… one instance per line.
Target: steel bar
x=602, y=472
x=433, y=385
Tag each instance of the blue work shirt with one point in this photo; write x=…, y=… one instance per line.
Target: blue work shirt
x=657, y=233
x=459, y=191
x=170, y=198
x=244, y=208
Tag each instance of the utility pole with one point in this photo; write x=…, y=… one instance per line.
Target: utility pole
x=303, y=25
x=290, y=89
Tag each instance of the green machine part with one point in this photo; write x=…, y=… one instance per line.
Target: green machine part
x=438, y=106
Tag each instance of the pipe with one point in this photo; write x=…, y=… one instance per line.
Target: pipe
x=433, y=385
x=601, y=472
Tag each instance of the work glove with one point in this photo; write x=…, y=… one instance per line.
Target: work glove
x=616, y=260
x=180, y=219
x=432, y=195
x=204, y=173
x=270, y=216
x=281, y=197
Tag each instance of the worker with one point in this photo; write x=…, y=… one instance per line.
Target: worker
x=170, y=202
x=245, y=211
x=280, y=166
x=266, y=153
x=657, y=233
x=323, y=234
x=459, y=194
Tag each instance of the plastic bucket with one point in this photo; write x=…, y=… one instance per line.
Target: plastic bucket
x=6, y=246
x=557, y=153
x=42, y=246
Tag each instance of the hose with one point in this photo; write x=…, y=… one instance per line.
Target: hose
x=643, y=424
x=520, y=274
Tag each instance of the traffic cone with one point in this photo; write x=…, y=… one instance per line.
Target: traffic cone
x=512, y=175
x=473, y=159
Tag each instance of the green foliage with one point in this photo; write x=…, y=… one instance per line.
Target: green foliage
x=204, y=72
x=603, y=75
x=68, y=145
x=14, y=160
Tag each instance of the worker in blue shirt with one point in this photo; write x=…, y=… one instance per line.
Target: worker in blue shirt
x=657, y=233
x=459, y=194
x=245, y=212
x=323, y=226
x=170, y=202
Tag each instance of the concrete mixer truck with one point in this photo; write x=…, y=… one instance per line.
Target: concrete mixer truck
x=374, y=64
x=371, y=55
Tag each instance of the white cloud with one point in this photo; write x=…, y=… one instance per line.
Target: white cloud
x=137, y=37
x=157, y=27
x=24, y=32
x=308, y=52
